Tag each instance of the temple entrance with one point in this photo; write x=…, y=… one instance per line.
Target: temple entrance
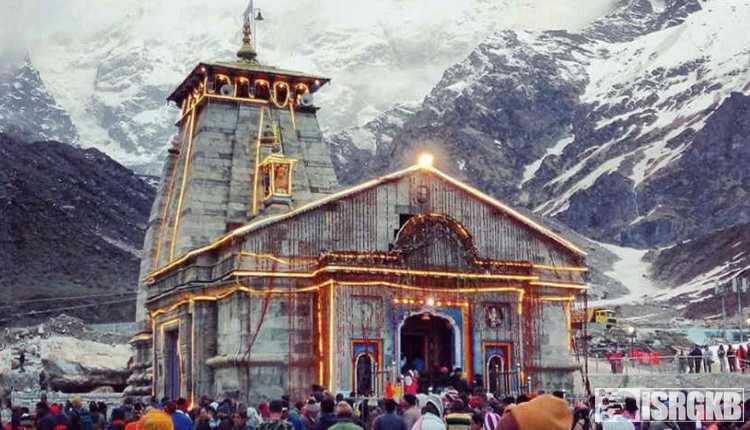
x=364, y=375
x=428, y=346
x=172, y=364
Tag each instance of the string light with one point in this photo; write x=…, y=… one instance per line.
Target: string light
x=560, y=284
x=381, y=270
x=274, y=95
x=257, y=163
x=185, y=172
x=366, y=185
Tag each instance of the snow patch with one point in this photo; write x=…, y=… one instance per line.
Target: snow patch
x=631, y=271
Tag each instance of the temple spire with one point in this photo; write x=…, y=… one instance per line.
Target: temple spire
x=247, y=51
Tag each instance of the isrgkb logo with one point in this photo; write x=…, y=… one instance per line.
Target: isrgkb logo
x=670, y=404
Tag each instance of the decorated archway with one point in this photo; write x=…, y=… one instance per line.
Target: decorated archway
x=429, y=340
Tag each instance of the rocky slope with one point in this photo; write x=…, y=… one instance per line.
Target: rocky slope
x=72, y=225
x=630, y=131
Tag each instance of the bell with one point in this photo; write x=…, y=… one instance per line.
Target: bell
x=259, y=16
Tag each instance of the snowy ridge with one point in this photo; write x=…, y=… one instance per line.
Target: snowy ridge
x=112, y=71
x=674, y=77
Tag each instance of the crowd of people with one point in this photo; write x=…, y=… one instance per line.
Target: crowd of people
x=712, y=360
x=705, y=359
x=322, y=411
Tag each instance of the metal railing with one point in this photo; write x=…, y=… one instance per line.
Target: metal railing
x=651, y=363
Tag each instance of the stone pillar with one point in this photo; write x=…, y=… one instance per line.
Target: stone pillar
x=186, y=351
x=140, y=381
x=204, y=336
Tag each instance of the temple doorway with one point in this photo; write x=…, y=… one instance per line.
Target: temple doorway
x=428, y=346
x=172, y=364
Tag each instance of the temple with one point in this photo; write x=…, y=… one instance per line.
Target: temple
x=261, y=277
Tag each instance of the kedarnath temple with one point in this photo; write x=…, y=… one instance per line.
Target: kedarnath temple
x=261, y=277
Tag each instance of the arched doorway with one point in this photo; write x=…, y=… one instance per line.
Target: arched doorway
x=428, y=344
x=364, y=375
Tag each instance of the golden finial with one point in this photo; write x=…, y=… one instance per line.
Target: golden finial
x=247, y=50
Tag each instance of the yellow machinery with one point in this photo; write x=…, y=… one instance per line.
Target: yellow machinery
x=601, y=316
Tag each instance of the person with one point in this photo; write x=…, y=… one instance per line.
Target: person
x=741, y=356
x=275, y=420
x=458, y=381
x=697, y=358
x=682, y=361
x=239, y=419
x=293, y=416
x=202, y=420
x=155, y=419
x=98, y=419
x=542, y=412
x=631, y=412
x=118, y=420
x=476, y=421
x=492, y=415
x=722, y=363
x=732, y=358
x=411, y=383
x=254, y=420
x=581, y=417
x=327, y=415
x=21, y=361
x=457, y=418
x=707, y=362
x=43, y=419
x=80, y=418
x=310, y=415
x=389, y=420
x=345, y=418
x=412, y=413
x=431, y=415
x=42, y=380
x=265, y=412
x=180, y=420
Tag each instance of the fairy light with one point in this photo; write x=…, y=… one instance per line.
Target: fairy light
x=382, y=270
x=274, y=94
x=543, y=283
x=331, y=311
x=257, y=163
x=353, y=190
x=185, y=172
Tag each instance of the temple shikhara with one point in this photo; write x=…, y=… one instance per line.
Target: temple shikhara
x=261, y=276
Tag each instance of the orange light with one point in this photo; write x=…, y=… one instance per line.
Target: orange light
x=382, y=270
x=559, y=284
x=560, y=268
x=185, y=172
x=353, y=190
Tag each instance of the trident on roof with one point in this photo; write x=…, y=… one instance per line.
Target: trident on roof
x=248, y=51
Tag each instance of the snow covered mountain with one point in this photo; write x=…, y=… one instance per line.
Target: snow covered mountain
x=27, y=110
x=632, y=131
x=111, y=65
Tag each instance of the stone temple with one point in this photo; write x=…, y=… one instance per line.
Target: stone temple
x=261, y=277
